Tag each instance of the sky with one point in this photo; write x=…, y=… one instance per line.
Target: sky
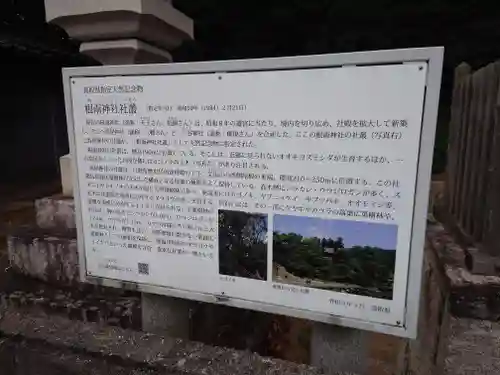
x=354, y=233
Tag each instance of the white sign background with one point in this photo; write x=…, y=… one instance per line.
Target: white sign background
x=351, y=92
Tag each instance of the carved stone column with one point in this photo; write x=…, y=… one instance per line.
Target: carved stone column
x=122, y=32
x=118, y=33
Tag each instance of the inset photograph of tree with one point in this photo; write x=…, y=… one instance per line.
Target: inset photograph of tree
x=338, y=255
x=243, y=244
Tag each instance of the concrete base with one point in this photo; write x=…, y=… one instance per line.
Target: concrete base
x=66, y=175
x=166, y=316
x=351, y=351
x=340, y=349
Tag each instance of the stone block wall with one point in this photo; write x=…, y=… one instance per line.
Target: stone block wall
x=48, y=251
x=458, y=305
x=48, y=256
x=56, y=212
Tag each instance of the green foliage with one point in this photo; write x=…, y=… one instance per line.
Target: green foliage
x=242, y=244
x=368, y=267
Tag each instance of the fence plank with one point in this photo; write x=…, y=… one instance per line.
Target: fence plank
x=465, y=199
x=493, y=238
x=464, y=122
x=459, y=141
x=479, y=216
x=462, y=71
x=473, y=194
x=476, y=172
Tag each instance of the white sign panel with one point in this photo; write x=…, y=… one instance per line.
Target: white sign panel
x=286, y=190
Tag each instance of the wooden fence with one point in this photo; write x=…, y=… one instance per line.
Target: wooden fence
x=473, y=186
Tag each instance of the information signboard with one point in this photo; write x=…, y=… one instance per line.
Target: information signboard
x=293, y=185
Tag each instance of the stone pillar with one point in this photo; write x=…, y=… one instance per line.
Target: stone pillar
x=122, y=32
x=118, y=33
x=341, y=349
x=66, y=175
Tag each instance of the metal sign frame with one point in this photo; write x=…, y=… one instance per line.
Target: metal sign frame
x=432, y=56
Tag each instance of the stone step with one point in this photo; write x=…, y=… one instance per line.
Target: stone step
x=103, y=306
x=48, y=255
x=55, y=212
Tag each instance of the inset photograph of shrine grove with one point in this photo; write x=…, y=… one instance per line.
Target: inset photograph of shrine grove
x=338, y=255
x=243, y=244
